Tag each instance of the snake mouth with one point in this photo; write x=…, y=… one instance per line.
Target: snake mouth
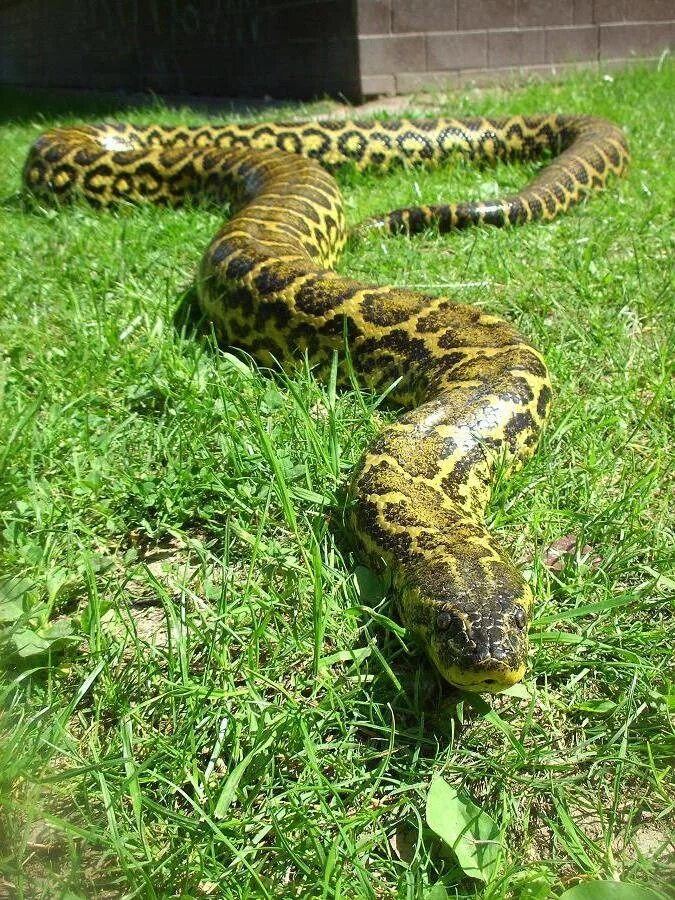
x=493, y=678
x=492, y=681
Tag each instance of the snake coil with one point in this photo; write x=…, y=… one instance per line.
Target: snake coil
x=476, y=391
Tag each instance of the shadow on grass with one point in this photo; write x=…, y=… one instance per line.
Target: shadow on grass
x=23, y=105
x=20, y=106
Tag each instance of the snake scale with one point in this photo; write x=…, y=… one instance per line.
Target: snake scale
x=477, y=393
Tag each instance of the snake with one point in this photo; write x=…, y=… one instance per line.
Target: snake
x=475, y=394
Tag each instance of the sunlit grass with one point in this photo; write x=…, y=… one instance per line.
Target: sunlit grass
x=223, y=713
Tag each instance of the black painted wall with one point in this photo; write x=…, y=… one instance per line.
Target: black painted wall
x=285, y=48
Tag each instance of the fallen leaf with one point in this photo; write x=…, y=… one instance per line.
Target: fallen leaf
x=566, y=547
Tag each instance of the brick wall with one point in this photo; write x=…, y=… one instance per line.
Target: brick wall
x=305, y=48
x=405, y=45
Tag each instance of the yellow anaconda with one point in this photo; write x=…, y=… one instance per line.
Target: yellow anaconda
x=476, y=390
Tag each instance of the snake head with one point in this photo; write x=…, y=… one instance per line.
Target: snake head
x=477, y=641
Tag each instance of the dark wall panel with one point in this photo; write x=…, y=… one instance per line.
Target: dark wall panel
x=228, y=47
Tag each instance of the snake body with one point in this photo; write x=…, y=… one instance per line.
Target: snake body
x=476, y=391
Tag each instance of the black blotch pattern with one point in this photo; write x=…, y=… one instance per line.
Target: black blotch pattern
x=543, y=400
x=400, y=342
x=222, y=250
x=185, y=176
x=328, y=125
x=242, y=299
x=304, y=336
x=123, y=185
x=558, y=192
x=536, y=207
x=567, y=181
x=493, y=215
x=613, y=155
x=338, y=325
x=514, y=130
x=395, y=223
x=549, y=201
x=581, y=173
x=466, y=214
x=550, y=136
x=275, y=311
x=273, y=279
x=381, y=138
x=375, y=309
x=70, y=172
x=319, y=295
x=264, y=347
x=35, y=170
x=426, y=124
x=460, y=473
x=144, y=171
x=128, y=157
x=238, y=266
x=421, y=147
x=417, y=220
x=522, y=392
x=289, y=142
x=354, y=152
x=55, y=153
x=534, y=365
x=597, y=160
x=519, y=422
x=323, y=147
x=443, y=217
x=517, y=211
x=86, y=156
x=472, y=124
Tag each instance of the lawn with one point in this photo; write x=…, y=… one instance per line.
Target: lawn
x=204, y=693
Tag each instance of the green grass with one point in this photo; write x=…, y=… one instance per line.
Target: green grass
x=218, y=711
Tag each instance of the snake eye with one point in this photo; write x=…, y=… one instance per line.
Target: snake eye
x=519, y=618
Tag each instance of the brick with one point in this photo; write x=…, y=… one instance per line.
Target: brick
x=475, y=15
x=391, y=54
x=652, y=10
x=618, y=41
x=375, y=85
x=373, y=16
x=515, y=48
x=572, y=44
x=609, y=11
x=533, y=13
x=583, y=12
x=424, y=15
x=506, y=76
x=467, y=50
